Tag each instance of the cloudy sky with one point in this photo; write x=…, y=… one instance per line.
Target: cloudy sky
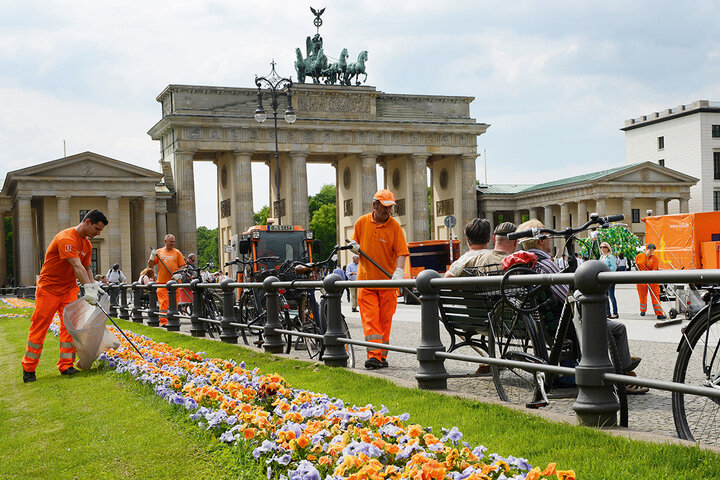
x=555, y=80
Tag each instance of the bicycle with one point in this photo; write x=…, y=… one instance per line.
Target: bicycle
x=211, y=301
x=312, y=317
x=521, y=332
x=250, y=307
x=698, y=363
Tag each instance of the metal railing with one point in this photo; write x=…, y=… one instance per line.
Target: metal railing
x=596, y=404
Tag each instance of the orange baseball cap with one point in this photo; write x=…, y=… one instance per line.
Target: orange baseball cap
x=385, y=197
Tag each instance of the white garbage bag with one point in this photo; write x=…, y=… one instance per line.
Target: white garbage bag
x=87, y=325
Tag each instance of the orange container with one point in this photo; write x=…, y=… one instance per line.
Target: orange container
x=679, y=239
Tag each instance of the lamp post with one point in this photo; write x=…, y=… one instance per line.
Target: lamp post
x=275, y=83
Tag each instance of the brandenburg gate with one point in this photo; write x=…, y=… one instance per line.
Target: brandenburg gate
x=353, y=128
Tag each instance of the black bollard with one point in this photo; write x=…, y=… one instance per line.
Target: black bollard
x=137, y=315
x=153, y=307
x=272, y=341
x=124, y=308
x=431, y=374
x=197, y=328
x=173, y=321
x=113, y=292
x=335, y=354
x=228, y=334
x=596, y=404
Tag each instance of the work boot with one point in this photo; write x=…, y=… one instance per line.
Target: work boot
x=384, y=363
x=69, y=371
x=642, y=314
x=28, y=376
x=373, y=363
x=661, y=317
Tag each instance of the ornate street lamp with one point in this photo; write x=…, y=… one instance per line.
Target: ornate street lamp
x=275, y=83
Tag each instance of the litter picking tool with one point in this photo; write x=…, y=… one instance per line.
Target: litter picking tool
x=120, y=329
x=662, y=323
x=405, y=289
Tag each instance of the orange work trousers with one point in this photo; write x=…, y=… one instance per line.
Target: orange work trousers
x=642, y=289
x=164, y=301
x=46, y=305
x=377, y=308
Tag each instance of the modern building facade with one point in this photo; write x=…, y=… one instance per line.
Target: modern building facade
x=686, y=139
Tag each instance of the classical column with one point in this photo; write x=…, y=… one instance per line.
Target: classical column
x=3, y=253
x=24, y=253
x=63, y=212
x=186, y=235
x=601, y=206
x=627, y=210
x=581, y=213
x=517, y=217
x=534, y=213
x=547, y=216
x=160, y=220
x=564, y=215
x=368, y=182
x=659, y=206
x=150, y=228
x=113, y=233
x=421, y=225
x=469, y=194
x=299, y=189
x=242, y=207
x=684, y=205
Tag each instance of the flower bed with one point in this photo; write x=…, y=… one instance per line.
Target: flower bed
x=10, y=302
x=299, y=434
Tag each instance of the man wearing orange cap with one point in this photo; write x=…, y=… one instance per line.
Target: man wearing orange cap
x=648, y=261
x=168, y=260
x=67, y=259
x=380, y=238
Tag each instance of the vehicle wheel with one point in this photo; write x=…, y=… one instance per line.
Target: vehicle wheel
x=513, y=336
x=672, y=313
x=619, y=390
x=309, y=323
x=698, y=364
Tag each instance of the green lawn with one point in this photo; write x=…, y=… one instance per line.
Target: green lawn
x=100, y=424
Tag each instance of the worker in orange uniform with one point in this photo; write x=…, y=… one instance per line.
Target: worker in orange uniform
x=648, y=261
x=169, y=260
x=381, y=238
x=66, y=259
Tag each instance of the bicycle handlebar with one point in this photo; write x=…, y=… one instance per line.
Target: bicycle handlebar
x=314, y=265
x=568, y=232
x=252, y=262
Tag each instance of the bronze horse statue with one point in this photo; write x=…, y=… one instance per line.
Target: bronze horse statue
x=336, y=71
x=356, y=69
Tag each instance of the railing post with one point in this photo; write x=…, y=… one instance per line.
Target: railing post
x=272, y=341
x=137, y=315
x=113, y=291
x=124, y=310
x=173, y=321
x=335, y=354
x=596, y=404
x=153, y=307
x=431, y=374
x=197, y=328
x=228, y=334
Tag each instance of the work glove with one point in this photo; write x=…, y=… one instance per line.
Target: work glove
x=354, y=247
x=398, y=274
x=153, y=254
x=91, y=293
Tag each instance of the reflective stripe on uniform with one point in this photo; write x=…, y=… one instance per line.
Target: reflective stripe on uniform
x=370, y=338
x=66, y=345
x=67, y=355
x=36, y=346
x=32, y=355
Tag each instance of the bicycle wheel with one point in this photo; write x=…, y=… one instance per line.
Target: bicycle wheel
x=696, y=417
x=619, y=390
x=213, y=311
x=513, y=336
x=349, y=348
x=249, y=315
x=309, y=323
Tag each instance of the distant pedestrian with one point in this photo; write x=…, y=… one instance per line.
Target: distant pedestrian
x=115, y=275
x=608, y=259
x=341, y=273
x=351, y=273
x=621, y=262
x=648, y=261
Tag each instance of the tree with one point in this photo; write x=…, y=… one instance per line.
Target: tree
x=326, y=196
x=262, y=215
x=324, y=225
x=207, y=241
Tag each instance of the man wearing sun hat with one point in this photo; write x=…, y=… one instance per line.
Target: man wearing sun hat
x=380, y=238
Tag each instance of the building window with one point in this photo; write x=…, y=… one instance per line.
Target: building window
x=661, y=143
x=570, y=220
x=716, y=165
x=716, y=200
x=661, y=162
x=716, y=131
x=635, y=215
x=94, y=261
x=554, y=225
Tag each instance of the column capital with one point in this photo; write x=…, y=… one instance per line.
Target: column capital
x=420, y=155
x=299, y=153
x=243, y=152
x=372, y=155
x=471, y=156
